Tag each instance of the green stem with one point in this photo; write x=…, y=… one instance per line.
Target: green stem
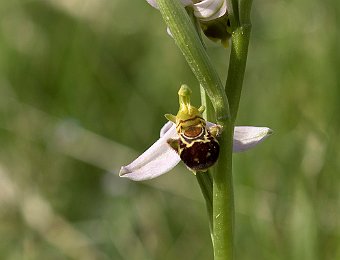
x=223, y=199
x=204, y=180
x=245, y=8
x=237, y=65
x=223, y=195
x=185, y=36
x=233, y=14
x=238, y=59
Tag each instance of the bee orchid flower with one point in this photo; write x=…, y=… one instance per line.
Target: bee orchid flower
x=188, y=137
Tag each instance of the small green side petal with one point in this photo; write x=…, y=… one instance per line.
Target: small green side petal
x=170, y=117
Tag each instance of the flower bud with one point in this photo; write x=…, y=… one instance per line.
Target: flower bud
x=218, y=30
x=208, y=10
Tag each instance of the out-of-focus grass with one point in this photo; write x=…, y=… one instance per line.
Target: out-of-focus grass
x=83, y=90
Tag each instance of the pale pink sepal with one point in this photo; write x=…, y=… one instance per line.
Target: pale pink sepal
x=246, y=137
x=155, y=161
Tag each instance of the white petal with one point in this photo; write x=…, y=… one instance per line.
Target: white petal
x=157, y=160
x=246, y=137
x=169, y=125
x=208, y=10
x=153, y=3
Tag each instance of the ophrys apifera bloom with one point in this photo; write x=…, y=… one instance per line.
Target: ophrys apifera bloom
x=188, y=137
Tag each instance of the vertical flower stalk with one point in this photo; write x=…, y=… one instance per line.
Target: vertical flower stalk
x=225, y=102
x=238, y=56
x=223, y=195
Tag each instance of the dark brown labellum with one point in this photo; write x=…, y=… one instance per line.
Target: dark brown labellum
x=200, y=155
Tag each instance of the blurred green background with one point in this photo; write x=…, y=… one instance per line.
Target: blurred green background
x=84, y=86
